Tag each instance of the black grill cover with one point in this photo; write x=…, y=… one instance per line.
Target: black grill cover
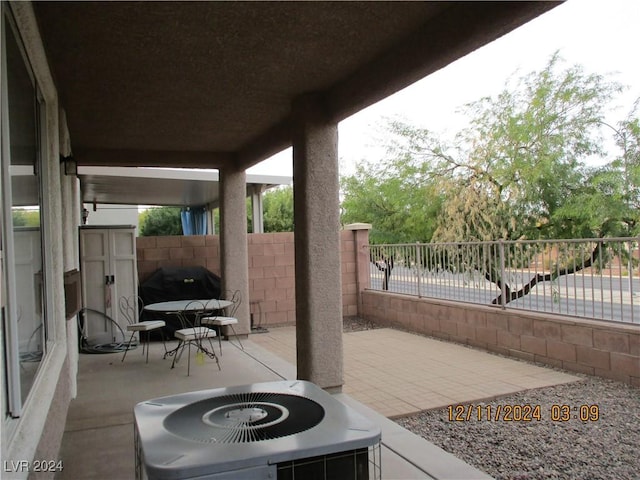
x=178, y=283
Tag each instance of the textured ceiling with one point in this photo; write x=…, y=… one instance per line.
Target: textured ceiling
x=200, y=84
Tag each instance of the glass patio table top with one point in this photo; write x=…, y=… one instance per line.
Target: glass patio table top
x=195, y=305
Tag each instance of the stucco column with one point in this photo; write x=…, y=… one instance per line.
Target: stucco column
x=317, y=246
x=234, y=256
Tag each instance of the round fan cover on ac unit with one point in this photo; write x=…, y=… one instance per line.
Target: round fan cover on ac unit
x=244, y=417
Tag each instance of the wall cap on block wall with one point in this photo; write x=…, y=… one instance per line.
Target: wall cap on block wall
x=357, y=226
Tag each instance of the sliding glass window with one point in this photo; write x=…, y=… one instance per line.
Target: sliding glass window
x=23, y=282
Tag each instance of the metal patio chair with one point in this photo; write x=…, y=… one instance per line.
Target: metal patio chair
x=131, y=309
x=193, y=333
x=229, y=320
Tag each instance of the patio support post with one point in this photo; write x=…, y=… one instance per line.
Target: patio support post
x=234, y=255
x=257, y=213
x=211, y=220
x=318, y=268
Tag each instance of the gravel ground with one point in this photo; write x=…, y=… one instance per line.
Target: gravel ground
x=557, y=446
x=604, y=448
x=357, y=324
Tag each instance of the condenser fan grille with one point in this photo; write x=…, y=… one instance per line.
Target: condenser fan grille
x=244, y=417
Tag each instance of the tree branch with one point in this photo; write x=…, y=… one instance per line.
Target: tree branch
x=540, y=277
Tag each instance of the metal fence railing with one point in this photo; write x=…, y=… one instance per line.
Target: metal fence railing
x=590, y=278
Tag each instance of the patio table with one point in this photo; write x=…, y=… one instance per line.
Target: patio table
x=195, y=306
x=178, y=306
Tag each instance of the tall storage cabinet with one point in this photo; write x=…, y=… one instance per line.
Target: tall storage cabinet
x=109, y=271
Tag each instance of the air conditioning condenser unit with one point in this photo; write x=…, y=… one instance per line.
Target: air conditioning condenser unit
x=284, y=430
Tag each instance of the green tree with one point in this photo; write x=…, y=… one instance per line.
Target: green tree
x=25, y=218
x=518, y=171
x=524, y=155
x=608, y=201
x=277, y=209
x=160, y=221
x=393, y=198
x=277, y=205
x=511, y=173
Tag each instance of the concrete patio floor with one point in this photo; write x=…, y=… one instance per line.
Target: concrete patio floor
x=387, y=373
x=397, y=373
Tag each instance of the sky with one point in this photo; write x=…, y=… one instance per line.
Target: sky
x=601, y=35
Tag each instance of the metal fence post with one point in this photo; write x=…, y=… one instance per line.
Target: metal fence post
x=418, y=265
x=503, y=287
x=631, y=273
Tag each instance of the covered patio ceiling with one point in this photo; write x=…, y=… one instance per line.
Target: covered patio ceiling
x=167, y=187
x=212, y=84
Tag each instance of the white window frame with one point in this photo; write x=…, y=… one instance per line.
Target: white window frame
x=11, y=344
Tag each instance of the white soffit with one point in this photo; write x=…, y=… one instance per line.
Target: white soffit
x=160, y=186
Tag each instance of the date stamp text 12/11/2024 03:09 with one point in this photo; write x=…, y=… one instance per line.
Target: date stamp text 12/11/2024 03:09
x=523, y=413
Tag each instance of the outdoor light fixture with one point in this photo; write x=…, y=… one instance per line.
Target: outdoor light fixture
x=70, y=165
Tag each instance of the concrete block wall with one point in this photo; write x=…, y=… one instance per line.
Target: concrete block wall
x=177, y=251
x=604, y=349
x=271, y=268
x=272, y=278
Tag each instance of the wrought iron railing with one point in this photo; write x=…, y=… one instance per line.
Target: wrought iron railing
x=590, y=278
